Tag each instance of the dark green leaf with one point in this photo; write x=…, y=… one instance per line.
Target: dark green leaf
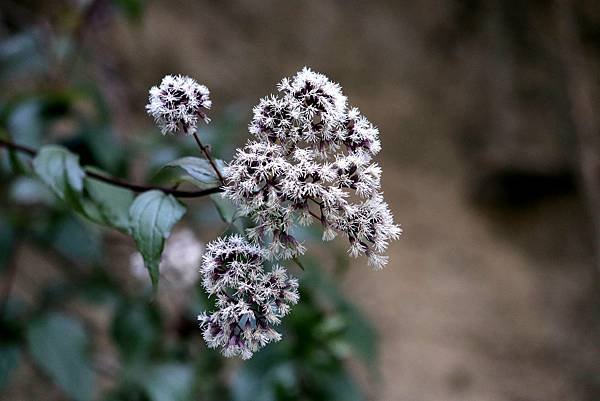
x=21, y=55
x=29, y=191
x=26, y=123
x=58, y=345
x=104, y=146
x=263, y=379
x=133, y=9
x=152, y=215
x=135, y=329
x=340, y=386
x=91, y=211
x=9, y=359
x=227, y=210
x=168, y=382
x=78, y=241
x=359, y=333
x=112, y=202
x=60, y=170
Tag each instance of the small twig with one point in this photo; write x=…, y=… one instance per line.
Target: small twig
x=316, y=201
x=314, y=215
x=119, y=183
x=209, y=157
x=143, y=188
x=17, y=147
x=298, y=263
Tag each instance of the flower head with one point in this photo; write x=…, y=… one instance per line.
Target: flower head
x=312, y=161
x=178, y=103
x=249, y=299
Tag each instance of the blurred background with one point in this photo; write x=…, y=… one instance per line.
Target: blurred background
x=488, y=113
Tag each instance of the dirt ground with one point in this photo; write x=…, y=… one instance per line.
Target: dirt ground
x=465, y=314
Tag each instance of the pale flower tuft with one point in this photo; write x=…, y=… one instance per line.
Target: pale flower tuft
x=178, y=103
x=312, y=161
x=249, y=299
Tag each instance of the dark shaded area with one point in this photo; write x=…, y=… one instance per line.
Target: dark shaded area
x=521, y=189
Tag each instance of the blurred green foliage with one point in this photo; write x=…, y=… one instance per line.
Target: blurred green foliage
x=161, y=357
x=58, y=344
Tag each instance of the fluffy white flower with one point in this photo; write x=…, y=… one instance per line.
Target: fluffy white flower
x=312, y=161
x=249, y=300
x=314, y=95
x=178, y=103
x=369, y=227
x=360, y=134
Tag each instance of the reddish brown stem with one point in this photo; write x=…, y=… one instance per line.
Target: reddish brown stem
x=209, y=157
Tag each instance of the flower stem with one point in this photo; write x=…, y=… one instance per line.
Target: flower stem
x=209, y=157
x=117, y=182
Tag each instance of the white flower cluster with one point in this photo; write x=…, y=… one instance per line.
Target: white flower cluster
x=249, y=299
x=312, y=160
x=179, y=262
x=178, y=103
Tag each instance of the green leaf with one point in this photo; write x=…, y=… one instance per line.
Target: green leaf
x=261, y=377
x=104, y=146
x=113, y=202
x=29, y=191
x=227, y=210
x=91, y=211
x=133, y=9
x=9, y=359
x=21, y=56
x=194, y=170
x=168, y=382
x=76, y=240
x=26, y=123
x=152, y=215
x=60, y=170
x=58, y=345
x=17, y=165
x=340, y=386
x=136, y=330
x=359, y=333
